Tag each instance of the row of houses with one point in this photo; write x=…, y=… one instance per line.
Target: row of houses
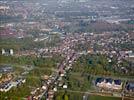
x=8, y=85
x=7, y=52
x=115, y=85
x=109, y=83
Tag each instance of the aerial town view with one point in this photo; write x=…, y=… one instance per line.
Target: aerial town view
x=66, y=49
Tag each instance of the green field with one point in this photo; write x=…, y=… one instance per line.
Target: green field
x=79, y=96
x=103, y=98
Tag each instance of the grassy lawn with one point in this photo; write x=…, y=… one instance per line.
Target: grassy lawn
x=78, y=82
x=79, y=96
x=102, y=98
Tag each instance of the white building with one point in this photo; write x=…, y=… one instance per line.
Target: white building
x=3, y=51
x=11, y=51
x=131, y=55
x=7, y=52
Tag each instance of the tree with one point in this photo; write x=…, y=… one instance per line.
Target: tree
x=66, y=97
